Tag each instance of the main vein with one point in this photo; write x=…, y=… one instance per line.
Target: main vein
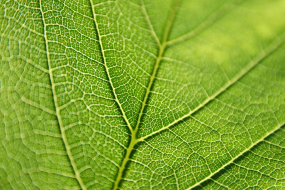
x=57, y=110
x=161, y=48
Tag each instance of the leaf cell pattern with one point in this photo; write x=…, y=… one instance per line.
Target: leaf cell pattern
x=142, y=94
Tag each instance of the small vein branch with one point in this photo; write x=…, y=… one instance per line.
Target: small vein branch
x=36, y=105
x=237, y=77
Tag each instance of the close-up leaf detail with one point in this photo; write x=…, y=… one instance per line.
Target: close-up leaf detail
x=142, y=94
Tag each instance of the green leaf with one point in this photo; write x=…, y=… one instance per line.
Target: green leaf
x=142, y=94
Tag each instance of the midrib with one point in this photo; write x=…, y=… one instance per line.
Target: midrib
x=57, y=110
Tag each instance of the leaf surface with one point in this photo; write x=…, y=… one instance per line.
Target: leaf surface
x=142, y=94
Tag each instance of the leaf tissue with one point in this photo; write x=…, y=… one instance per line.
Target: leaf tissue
x=142, y=94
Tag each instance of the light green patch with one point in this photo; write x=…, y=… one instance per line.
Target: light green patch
x=142, y=94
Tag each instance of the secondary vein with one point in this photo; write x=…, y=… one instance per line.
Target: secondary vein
x=107, y=69
x=227, y=85
x=57, y=110
x=158, y=59
x=149, y=23
x=237, y=156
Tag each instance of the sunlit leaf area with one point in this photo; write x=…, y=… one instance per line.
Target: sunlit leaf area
x=142, y=94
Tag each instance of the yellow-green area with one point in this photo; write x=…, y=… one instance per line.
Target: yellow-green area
x=142, y=94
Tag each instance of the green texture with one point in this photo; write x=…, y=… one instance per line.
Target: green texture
x=142, y=94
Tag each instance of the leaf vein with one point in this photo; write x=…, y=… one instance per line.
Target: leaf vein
x=107, y=69
x=239, y=155
x=64, y=138
x=147, y=93
x=227, y=85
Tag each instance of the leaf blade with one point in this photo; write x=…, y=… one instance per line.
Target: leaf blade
x=102, y=112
